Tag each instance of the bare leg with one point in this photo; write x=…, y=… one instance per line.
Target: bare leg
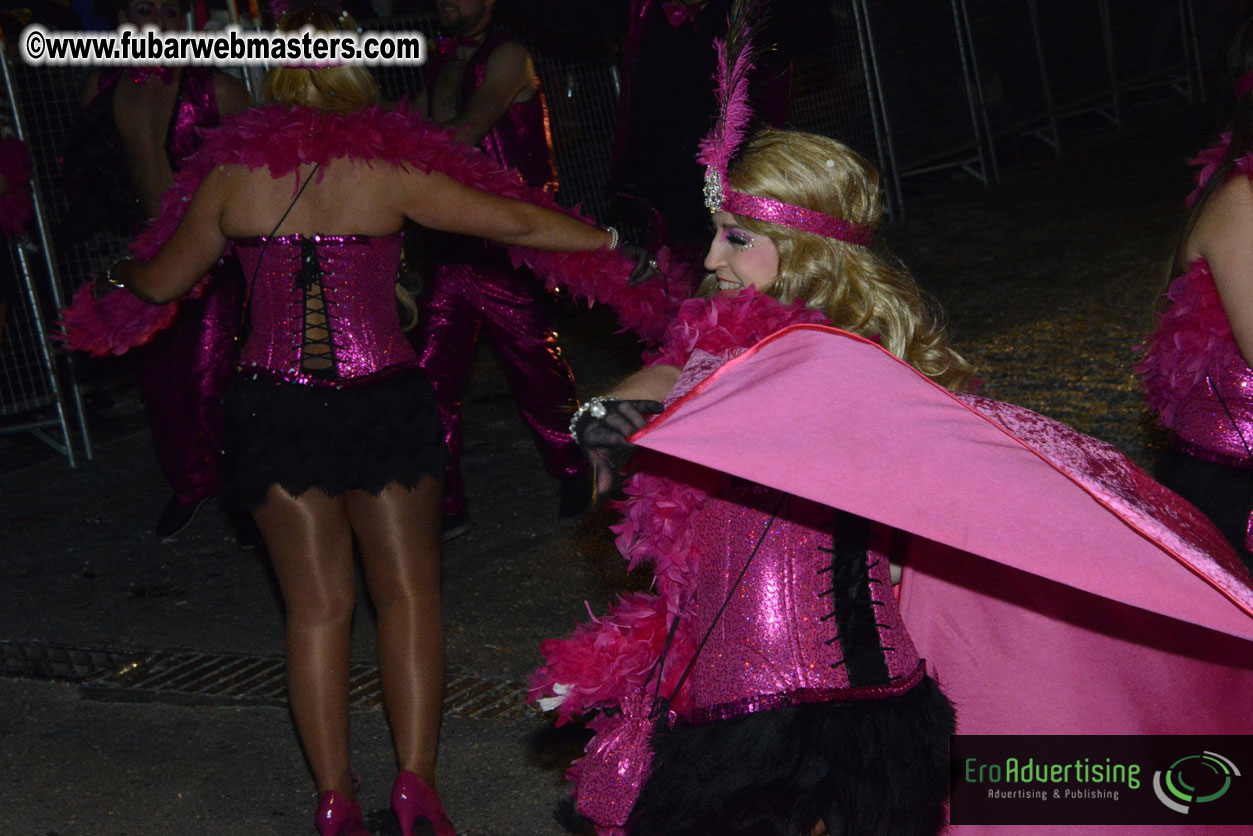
x=399, y=534
x=310, y=545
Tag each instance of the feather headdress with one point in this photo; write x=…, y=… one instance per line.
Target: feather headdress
x=736, y=60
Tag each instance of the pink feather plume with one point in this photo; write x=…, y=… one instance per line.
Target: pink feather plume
x=736, y=57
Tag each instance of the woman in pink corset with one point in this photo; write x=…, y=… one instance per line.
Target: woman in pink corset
x=1196, y=365
x=332, y=427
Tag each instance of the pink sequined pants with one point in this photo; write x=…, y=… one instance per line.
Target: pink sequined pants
x=512, y=310
x=183, y=381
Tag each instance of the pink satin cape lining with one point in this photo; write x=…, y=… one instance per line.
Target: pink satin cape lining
x=908, y=453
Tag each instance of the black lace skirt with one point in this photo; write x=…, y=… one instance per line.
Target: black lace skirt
x=355, y=438
x=864, y=767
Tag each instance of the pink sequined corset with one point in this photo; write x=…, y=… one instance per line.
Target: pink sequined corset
x=808, y=623
x=1195, y=375
x=352, y=279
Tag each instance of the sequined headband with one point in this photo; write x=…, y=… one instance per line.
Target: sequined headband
x=1243, y=85
x=735, y=62
x=797, y=217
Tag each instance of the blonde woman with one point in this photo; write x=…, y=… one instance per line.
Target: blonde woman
x=332, y=427
x=842, y=283
x=741, y=748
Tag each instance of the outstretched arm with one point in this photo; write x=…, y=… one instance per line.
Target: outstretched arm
x=439, y=202
x=189, y=253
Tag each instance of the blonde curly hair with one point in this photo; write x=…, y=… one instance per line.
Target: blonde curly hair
x=855, y=287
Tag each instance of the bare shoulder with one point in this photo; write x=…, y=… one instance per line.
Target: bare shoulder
x=1228, y=212
x=1224, y=224
x=510, y=59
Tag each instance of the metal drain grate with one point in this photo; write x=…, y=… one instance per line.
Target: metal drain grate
x=194, y=678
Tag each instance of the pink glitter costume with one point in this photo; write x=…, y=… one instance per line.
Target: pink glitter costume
x=185, y=373
x=353, y=280
x=811, y=627
x=1052, y=586
x=1200, y=384
x=348, y=410
x=472, y=288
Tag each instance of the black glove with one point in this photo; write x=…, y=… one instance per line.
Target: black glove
x=601, y=428
x=645, y=263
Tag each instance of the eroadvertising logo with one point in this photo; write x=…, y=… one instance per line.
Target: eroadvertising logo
x=1100, y=779
x=1211, y=772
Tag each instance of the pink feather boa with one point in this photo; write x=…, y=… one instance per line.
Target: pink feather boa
x=1193, y=333
x=16, y=205
x=1192, y=336
x=613, y=656
x=1208, y=161
x=282, y=139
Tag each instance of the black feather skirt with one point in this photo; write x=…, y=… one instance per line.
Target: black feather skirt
x=335, y=439
x=862, y=768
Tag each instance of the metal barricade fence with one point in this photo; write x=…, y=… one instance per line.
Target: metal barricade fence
x=1153, y=45
x=1011, y=83
x=1074, y=42
x=38, y=383
x=925, y=88
x=833, y=91
x=915, y=86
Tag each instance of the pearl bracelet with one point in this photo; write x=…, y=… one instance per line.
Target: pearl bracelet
x=614, y=237
x=592, y=406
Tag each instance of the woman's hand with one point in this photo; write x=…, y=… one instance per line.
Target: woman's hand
x=601, y=427
x=645, y=264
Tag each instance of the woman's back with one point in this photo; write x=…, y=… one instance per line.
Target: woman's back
x=344, y=197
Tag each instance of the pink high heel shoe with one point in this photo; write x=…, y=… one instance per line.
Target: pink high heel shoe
x=337, y=816
x=412, y=800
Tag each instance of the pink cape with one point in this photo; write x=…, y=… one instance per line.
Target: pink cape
x=1051, y=585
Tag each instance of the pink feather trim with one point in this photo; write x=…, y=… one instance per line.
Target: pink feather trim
x=721, y=323
x=283, y=139
x=116, y=323
x=1208, y=161
x=16, y=204
x=1192, y=336
x=612, y=657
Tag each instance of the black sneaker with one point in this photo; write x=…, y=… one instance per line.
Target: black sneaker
x=176, y=517
x=576, y=494
x=454, y=526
